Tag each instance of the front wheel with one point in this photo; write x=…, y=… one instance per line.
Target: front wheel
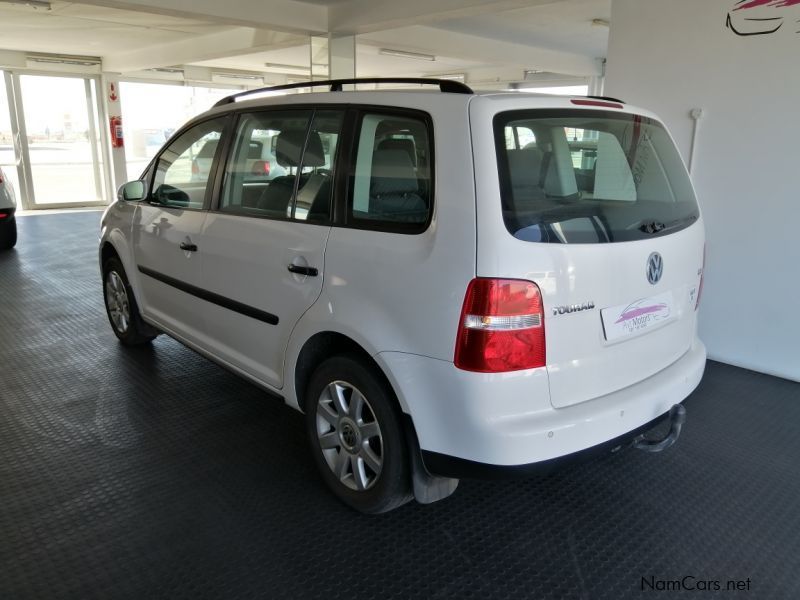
x=356, y=437
x=121, y=307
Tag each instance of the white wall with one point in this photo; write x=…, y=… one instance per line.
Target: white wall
x=675, y=55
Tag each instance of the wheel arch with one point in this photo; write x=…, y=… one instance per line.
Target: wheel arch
x=113, y=244
x=323, y=345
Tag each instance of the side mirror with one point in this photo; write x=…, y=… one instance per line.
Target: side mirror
x=133, y=191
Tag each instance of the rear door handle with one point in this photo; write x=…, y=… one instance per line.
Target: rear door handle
x=310, y=271
x=188, y=247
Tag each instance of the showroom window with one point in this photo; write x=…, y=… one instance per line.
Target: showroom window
x=152, y=112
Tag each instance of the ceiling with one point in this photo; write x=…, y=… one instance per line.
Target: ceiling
x=489, y=39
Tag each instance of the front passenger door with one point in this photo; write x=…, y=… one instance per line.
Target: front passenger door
x=168, y=227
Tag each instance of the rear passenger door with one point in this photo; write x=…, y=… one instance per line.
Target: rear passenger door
x=264, y=242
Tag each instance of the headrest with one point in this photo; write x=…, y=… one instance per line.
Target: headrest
x=405, y=145
x=289, y=148
x=315, y=154
x=525, y=166
x=392, y=173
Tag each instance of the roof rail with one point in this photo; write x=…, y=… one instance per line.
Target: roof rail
x=609, y=98
x=445, y=85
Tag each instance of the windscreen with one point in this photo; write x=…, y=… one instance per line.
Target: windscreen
x=588, y=177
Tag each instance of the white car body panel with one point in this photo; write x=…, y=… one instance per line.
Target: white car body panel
x=399, y=297
x=506, y=419
x=581, y=363
x=236, y=264
x=156, y=237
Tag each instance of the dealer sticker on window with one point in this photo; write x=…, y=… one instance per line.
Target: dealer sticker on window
x=638, y=316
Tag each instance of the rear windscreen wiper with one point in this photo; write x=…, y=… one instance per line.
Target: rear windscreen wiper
x=658, y=226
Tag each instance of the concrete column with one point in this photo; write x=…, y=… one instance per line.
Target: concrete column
x=342, y=56
x=111, y=106
x=319, y=58
x=597, y=82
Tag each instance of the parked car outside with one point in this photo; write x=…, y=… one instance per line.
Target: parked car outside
x=447, y=285
x=8, y=206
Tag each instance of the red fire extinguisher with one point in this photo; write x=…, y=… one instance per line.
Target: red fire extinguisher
x=117, y=138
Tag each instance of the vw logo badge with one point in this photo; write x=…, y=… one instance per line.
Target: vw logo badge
x=655, y=268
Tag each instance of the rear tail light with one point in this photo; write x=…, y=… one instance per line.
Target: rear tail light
x=3, y=215
x=702, y=277
x=195, y=168
x=261, y=167
x=501, y=328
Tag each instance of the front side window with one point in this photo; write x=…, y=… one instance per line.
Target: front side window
x=391, y=183
x=282, y=165
x=590, y=177
x=183, y=170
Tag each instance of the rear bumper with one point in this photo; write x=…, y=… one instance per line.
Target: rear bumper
x=472, y=424
x=459, y=468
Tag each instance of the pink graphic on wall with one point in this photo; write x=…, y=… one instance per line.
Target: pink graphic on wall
x=763, y=17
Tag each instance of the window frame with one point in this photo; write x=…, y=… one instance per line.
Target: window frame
x=503, y=118
x=312, y=109
x=345, y=215
x=150, y=172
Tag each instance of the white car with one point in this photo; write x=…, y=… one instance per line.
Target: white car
x=447, y=284
x=8, y=206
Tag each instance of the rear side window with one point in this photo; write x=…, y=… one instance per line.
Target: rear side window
x=184, y=167
x=391, y=184
x=590, y=177
x=282, y=165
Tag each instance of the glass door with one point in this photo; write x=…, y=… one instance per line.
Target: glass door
x=61, y=145
x=50, y=145
x=9, y=136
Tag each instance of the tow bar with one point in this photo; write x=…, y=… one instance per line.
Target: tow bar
x=677, y=415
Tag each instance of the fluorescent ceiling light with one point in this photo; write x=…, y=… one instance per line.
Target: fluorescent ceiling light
x=35, y=4
x=292, y=68
x=64, y=59
x=404, y=54
x=451, y=77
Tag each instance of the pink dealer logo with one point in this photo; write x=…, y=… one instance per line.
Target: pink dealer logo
x=763, y=17
x=636, y=314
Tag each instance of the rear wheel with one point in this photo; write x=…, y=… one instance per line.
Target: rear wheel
x=356, y=437
x=121, y=307
x=8, y=233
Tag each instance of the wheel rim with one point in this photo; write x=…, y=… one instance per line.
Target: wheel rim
x=350, y=436
x=117, y=302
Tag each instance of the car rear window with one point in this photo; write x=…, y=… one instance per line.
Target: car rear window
x=585, y=176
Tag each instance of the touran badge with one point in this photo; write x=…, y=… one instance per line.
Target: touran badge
x=655, y=268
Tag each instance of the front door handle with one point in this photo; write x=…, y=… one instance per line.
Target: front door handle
x=310, y=271
x=188, y=247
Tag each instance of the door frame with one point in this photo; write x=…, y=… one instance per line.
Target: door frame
x=99, y=143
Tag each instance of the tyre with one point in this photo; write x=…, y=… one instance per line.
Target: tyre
x=356, y=436
x=121, y=307
x=8, y=233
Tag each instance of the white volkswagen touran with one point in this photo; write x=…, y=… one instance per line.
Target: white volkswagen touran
x=447, y=284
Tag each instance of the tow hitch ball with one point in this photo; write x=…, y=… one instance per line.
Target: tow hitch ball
x=677, y=415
